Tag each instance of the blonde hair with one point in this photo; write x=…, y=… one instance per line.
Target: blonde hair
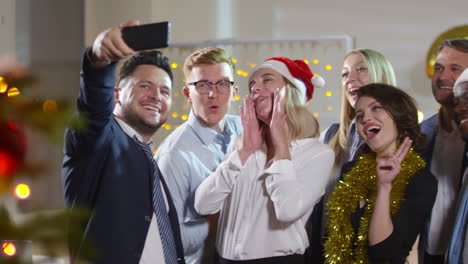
x=380, y=71
x=207, y=56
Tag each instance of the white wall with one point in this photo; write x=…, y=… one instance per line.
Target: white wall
x=7, y=27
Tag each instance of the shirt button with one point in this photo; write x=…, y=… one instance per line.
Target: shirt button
x=147, y=218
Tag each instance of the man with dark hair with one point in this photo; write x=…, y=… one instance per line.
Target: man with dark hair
x=195, y=149
x=445, y=154
x=458, y=248
x=108, y=167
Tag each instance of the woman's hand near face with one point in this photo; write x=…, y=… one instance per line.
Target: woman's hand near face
x=279, y=129
x=253, y=136
x=389, y=167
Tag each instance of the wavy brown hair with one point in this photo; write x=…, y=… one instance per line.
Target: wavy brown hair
x=401, y=107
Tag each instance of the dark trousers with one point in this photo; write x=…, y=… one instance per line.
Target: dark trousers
x=289, y=259
x=433, y=259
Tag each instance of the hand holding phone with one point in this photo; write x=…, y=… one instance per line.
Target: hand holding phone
x=147, y=36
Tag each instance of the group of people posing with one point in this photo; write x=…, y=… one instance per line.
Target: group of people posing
x=265, y=186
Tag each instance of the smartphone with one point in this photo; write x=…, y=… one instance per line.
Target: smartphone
x=147, y=36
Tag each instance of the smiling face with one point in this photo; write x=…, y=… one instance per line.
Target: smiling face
x=210, y=108
x=262, y=85
x=449, y=64
x=461, y=108
x=376, y=126
x=143, y=99
x=354, y=75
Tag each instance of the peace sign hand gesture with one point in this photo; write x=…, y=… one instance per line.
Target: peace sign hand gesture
x=389, y=167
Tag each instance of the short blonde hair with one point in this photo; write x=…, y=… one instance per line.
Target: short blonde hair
x=207, y=56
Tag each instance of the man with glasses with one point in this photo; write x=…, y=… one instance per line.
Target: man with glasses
x=198, y=146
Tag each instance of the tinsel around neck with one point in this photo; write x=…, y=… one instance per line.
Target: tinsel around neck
x=343, y=244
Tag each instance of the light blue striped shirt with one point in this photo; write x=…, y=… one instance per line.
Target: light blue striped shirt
x=186, y=157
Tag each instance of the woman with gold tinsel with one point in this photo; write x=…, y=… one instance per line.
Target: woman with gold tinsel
x=384, y=197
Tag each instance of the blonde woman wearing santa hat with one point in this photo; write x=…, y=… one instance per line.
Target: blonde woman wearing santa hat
x=266, y=188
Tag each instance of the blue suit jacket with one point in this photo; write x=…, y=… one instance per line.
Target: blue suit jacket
x=105, y=171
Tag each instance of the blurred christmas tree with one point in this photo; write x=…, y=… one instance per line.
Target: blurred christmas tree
x=18, y=113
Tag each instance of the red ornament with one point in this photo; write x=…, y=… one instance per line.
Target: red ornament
x=12, y=148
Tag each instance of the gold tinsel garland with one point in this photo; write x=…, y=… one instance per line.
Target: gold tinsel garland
x=343, y=245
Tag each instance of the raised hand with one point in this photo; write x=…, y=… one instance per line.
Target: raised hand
x=109, y=44
x=252, y=138
x=279, y=129
x=389, y=167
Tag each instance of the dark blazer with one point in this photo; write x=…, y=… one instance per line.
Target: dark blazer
x=104, y=170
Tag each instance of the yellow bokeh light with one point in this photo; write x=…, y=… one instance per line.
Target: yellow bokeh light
x=306, y=61
x=9, y=248
x=1, y=78
x=22, y=191
x=234, y=60
x=168, y=127
x=240, y=72
x=176, y=94
x=328, y=93
x=237, y=97
x=174, y=65
x=253, y=65
x=316, y=75
x=315, y=61
x=328, y=67
x=163, y=125
x=316, y=114
x=175, y=115
x=49, y=106
x=245, y=74
x=420, y=116
x=3, y=86
x=184, y=117
x=177, y=126
x=13, y=91
x=155, y=151
x=330, y=108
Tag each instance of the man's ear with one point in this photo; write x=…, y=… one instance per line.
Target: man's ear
x=116, y=95
x=235, y=91
x=186, y=93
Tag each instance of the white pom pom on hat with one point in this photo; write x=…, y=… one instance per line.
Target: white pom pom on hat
x=297, y=72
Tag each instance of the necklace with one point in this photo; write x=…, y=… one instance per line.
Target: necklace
x=343, y=244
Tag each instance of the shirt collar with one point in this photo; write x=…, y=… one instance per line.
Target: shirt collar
x=131, y=132
x=207, y=135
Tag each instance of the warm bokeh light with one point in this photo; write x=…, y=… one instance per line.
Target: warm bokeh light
x=316, y=75
x=168, y=127
x=3, y=86
x=237, y=97
x=240, y=72
x=174, y=65
x=184, y=117
x=13, y=91
x=306, y=61
x=9, y=249
x=22, y=191
x=420, y=116
x=245, y=74
x=175, y=115
x=155, y=151
x=253, y=65
x=328, y=93
x=163, y=125
x=328, y=67
x=49, y=106
x=7, y=164
x=330, y=108
x=315, y=61
x=316, y=114
x=234, y=60
x=176, y=94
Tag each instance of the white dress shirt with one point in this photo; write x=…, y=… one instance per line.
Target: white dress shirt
x=263, y=208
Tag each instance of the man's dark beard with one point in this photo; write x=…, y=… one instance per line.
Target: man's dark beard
x=138, y=124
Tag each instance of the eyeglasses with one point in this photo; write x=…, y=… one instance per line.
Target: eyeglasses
x=204, y=87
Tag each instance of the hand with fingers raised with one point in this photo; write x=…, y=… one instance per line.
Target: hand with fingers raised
x=253, y=136
x=279, y=128
x=389, y=167
x=110, y=46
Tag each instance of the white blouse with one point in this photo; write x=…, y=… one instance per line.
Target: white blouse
x=264, y=209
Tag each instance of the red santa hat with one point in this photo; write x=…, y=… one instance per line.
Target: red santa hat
x=297, y=72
